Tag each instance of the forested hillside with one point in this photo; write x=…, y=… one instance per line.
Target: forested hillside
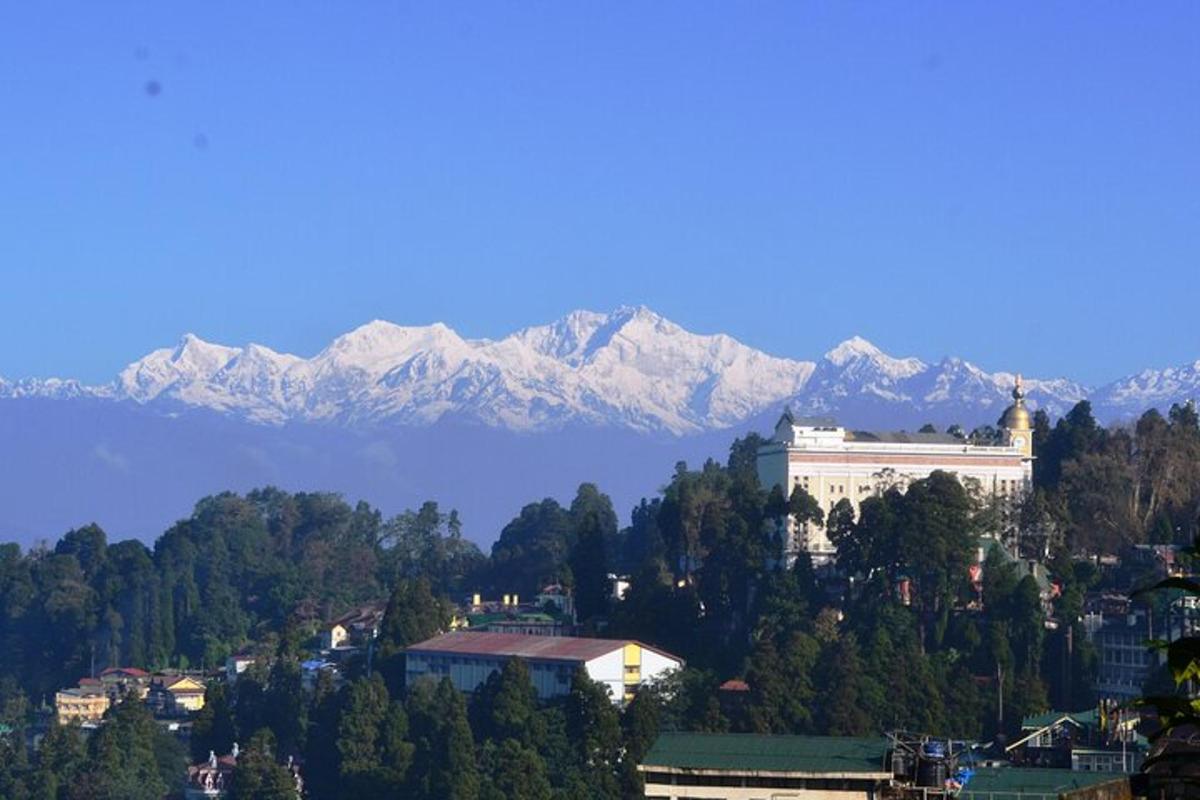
x=818, y=652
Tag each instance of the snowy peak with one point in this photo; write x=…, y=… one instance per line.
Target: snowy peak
x=1151, y=388
x=857, y=350
x=565, y=340
x=381, y=345
x=629, y=368
x=192, y=360
x=852, y=348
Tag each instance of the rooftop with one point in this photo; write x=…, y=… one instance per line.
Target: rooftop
x=129, y=672
x=1089, y=717
x=745, y=752
x=545, y=648
x=903, y=437
x=1008, y=783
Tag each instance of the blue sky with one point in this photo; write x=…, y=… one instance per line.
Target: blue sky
x=1015, y=183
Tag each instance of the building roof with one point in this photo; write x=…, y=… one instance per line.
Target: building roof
x=807, y=422
x=1089, y=717
x=746, y=752
x=544, y=648
x=182, y=684
x=131, y=672
x=1007, y=783
x=362, y=615
x=903, y=437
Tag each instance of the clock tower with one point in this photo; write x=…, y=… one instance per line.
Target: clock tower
x=1016, y=422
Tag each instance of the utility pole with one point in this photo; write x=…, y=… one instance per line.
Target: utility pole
x=1000, y=698
x=1070, y=650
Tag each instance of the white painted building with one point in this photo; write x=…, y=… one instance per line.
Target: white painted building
x=468, y=658
x=833, y=463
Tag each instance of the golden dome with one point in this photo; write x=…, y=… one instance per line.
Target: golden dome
x=1016, y=417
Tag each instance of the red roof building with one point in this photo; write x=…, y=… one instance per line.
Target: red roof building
x=467, y=658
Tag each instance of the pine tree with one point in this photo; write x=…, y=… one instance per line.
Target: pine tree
x=213, y=728
x=506, y=707
x=589, y=566
x=518, y=773
x=122, y=758
x=444, y=758
x=640, y=723
x=285, y=706
x=258, y=776
x=781, y=690
x=593, y=726
x=413, y=614
x=359, y=730
x=841, y=675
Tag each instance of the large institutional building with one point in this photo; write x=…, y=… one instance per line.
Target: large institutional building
x=468, y=658
x=832, y=463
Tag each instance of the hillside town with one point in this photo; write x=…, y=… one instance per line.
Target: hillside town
x=1096, y=751
x=599, y=401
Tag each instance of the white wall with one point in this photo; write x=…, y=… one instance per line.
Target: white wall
x=609, y=669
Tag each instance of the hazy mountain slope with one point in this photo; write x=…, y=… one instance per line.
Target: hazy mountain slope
x=1130, y=396
x=397, y=414
x=70, y=462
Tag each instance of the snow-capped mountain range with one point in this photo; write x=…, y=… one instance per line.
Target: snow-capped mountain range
x=631, y=369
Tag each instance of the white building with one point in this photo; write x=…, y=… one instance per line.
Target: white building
x=833, y=463
x=468, y=658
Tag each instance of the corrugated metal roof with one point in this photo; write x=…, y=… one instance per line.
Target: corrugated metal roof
x=546, y=648
x=1008, y=783
x=746, y=752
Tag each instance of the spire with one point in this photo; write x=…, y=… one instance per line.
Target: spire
x=1018, y=394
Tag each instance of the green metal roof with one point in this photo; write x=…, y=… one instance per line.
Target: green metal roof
x=1089, y=717
x=1009, y=783
x=745, y=752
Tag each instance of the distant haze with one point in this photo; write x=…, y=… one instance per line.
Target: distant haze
x=396, y=415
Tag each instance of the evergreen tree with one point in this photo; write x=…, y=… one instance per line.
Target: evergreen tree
x=413, y=614
x=589, y=565
x=593, y=727
x=782, y=695
x=122, y=756
x=213, y=728
x=58, y=763
x=517, y=773
x=640, y=723
x=505, y=707
x=286, y=706
x=258, y=776
x=444, y=755
x=359, y=731
x=532, y=550
x=840, y=679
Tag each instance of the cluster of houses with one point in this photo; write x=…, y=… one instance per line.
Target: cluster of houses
x=169, y=695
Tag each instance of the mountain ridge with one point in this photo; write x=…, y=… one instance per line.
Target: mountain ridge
x=630, y=368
